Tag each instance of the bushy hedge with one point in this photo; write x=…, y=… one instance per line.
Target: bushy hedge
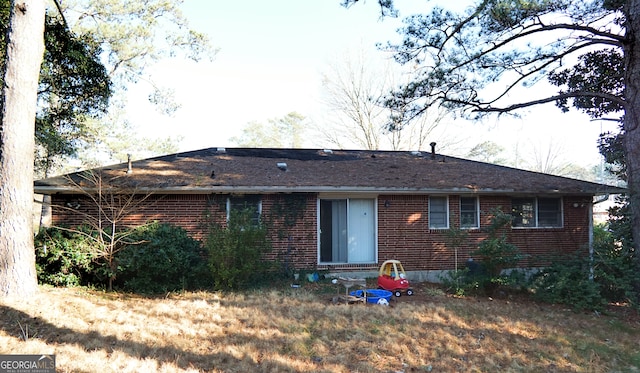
x=590, y=283
x=236, y=252
x=567, y=281
x=161, y=258
x=615, y=269
x=63, y=257
x=157, y=258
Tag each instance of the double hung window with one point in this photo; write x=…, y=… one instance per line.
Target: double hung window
x=438, y=212
x=469, y=213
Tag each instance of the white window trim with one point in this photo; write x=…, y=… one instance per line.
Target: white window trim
x=536, y=210
x=446, y=212
x=477, y=226
x=229, y=207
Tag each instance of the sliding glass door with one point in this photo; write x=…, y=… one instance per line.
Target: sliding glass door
x=347, y=230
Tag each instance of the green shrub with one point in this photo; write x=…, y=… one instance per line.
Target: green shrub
x=567, y=282
x=614, y=269
x=161, y=258
x=236, y=252
x=496, y=254
x=459, y=282
x=63, y=257
x=590, y=283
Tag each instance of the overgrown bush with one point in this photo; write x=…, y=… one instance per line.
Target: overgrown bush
x=494, y=254
x=566, y=281
x=161, y=258
x=590, y=283
x=459, y=282
x=63, y=257
x=236, y=251
x=613, y=267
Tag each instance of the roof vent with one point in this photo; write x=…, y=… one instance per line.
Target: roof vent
x=328, y=151
x=282, y=166
x=221, y=150
x=129, y=166
x=433, y=150
x=416, y=153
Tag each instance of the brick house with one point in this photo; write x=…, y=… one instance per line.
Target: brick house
x=350, y=210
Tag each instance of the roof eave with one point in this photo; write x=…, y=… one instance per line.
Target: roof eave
x=330, y=189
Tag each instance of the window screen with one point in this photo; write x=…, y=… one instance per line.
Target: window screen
x=438, y=212
x=469, y=212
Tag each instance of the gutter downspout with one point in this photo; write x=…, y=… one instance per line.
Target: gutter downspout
x=593, y=203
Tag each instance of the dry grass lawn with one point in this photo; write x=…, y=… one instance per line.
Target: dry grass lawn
x=301, y=330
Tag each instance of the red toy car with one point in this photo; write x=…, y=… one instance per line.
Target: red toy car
x=393, y=278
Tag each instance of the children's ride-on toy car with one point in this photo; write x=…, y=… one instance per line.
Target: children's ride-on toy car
x=393, y=278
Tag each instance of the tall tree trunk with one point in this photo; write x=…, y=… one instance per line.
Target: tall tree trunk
x=25, y=49
x=632, y=121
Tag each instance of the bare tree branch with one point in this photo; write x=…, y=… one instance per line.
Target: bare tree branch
x=110, y=207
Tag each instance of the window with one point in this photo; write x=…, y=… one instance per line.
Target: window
x=549, y=212
x=469, y=212
x=536, y=212
x=523, y=211
x=438, y=212
x=251, y=203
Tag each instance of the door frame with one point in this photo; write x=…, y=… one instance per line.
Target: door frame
x=338, y=196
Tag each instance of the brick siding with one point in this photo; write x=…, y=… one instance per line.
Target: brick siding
x=403, y=231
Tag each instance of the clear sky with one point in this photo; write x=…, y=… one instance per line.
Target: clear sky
x=269, y=64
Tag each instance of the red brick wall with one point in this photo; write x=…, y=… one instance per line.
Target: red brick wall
x=186, y=211
x=403, y=231
x=294, y=242
x=294, y=238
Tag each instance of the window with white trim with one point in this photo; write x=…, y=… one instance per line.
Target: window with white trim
x=252, y=204
x=536, y=212
x=438, y=212
x=469, y=213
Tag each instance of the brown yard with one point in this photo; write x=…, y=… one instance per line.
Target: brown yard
x=301, y=330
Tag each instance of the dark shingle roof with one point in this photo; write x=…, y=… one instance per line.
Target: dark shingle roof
x=312, y=170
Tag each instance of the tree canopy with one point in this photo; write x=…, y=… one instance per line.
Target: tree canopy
x=73, y=86
x=354, y=86
x=481, y=60
x=92, y=51
x=133, y=35
x=488, y=59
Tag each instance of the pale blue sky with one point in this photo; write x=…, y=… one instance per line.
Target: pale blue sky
x=269, y=64
x=271, y=56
